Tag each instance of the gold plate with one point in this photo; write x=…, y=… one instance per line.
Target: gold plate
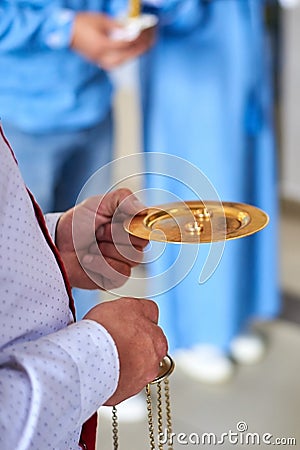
x=197, y=222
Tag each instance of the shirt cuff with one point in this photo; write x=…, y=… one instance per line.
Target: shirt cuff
x=51, y=222
x=96, y=356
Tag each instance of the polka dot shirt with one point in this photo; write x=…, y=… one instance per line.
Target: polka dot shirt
x=53, y=373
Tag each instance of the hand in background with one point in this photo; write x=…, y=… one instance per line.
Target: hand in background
x=95, y=248
x=141, y=344
x=92, y=38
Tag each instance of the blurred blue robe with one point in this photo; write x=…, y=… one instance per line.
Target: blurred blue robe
x=207, y=97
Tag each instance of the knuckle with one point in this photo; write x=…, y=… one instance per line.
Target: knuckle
x=163, y=349
x=130, y=301
x=120, y=267
x=153, y=310
x=161, y=343
x=125, y=192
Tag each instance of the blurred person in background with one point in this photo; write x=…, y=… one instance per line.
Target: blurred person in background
x=207, y=97
x=56, y=95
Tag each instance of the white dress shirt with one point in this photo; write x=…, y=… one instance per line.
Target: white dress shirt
x=53, y=373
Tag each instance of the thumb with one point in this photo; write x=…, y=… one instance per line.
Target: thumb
x=121, y=202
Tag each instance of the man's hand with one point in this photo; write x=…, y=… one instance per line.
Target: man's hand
x=95, y=248
x=92, y=38
x=141, y=344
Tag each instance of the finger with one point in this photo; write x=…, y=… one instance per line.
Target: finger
x=161, y=344
x=135, y=48
x=114, y=48
x=115, y=270
x=120, y=201
x=116, y=57
x=117, y=234
x=138, y=46
x=150, y=309
x=116, y=53
x=79, y=276
x=107, y=23
x=123, y=253
x=130, y=205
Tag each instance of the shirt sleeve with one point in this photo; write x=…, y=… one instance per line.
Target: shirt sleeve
x=51, y=386
x=25, y=25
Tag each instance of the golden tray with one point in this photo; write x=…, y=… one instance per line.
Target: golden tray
x=197, y=222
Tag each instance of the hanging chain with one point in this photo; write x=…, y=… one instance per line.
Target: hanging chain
x=150, y=417
x=168, y=412
x=115, y=429
x=167, y=368
x=159, y=415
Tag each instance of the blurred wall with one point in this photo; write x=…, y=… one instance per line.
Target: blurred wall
x=290, y=104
